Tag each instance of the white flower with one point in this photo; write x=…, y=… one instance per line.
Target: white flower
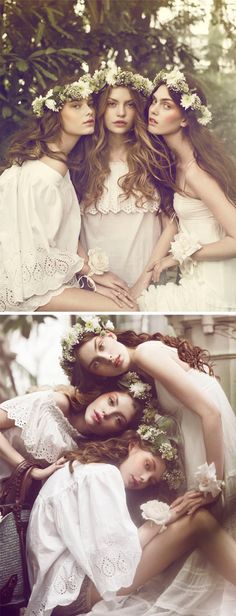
x=111, y=76
x=51, y=104
x=206, y=481
x=188, y=100
x=174, y=76
x=139, y=388
x=206, y=117
x=91, y=322
x=184, y=246
x=157, y=512
x=49, y=93
x=109, y=325
x=98, y=261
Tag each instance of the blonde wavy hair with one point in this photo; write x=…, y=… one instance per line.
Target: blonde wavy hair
x=148, y=164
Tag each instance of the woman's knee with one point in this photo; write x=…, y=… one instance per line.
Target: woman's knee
x=204, y=523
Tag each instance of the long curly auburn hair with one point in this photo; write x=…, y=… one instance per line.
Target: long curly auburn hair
x=193, y=355
x=142, y=157
x=209, y=151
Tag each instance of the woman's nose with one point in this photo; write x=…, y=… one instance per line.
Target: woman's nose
x=121, y=110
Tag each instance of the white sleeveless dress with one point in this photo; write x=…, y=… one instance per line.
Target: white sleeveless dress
x=204, y=287
x=40, y=226
x=127, y=233
x=191, y=586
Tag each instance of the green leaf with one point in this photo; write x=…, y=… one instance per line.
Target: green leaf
x=40, y=32
x=22, y=65
x=6, y=112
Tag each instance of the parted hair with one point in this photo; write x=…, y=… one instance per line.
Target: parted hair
x=209, y=151
x=142, y=158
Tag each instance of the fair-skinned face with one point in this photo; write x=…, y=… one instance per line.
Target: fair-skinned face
x=110, y=413
x=164, y=116
x=141, y=468
x=120, y=111
x=78, y=117
x=104, y=356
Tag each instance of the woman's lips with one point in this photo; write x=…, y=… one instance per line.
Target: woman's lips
x=120, y=123
x=97, y=416
x=152, y=121
x=118, y=361
x=134, y=482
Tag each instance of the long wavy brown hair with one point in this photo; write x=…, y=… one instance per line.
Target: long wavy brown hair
x=142, y=158
x=209, y=151
x=111, y=451
x=32, y=141
x=79, y=400
x=194, y=356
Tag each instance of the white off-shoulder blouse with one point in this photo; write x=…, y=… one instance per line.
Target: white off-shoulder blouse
x=40, y=227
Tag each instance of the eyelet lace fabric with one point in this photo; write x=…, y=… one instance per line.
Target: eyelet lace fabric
x=39, y=235
x=113, y=198
x=46, y=432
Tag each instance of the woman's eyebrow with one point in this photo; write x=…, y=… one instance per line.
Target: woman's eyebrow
x=114, y=100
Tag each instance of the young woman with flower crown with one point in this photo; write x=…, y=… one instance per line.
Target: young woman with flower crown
x=119, y=200
x=203, y=240
x=43, y=265
x=187, y=389
x=82, y=544
x=42, y=425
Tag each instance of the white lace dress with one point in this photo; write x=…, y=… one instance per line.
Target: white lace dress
x=206, y=286
x=80, y=525
x=41, y=431
x=127, y=233
x=40, y=227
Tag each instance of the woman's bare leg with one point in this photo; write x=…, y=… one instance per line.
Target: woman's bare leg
x=198, y=531
x=74, y=300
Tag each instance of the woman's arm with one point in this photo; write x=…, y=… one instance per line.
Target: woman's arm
x=154, y=358
x=160, y=251
x=204, y=187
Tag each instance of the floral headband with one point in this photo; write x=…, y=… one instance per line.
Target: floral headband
x=119, y=77
x=57, y=96
x=175, y=80
x=86, y=324
x=156, y=430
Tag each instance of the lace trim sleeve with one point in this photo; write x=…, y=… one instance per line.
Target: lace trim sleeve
x=46, y=432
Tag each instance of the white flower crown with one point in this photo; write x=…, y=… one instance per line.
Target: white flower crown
x=156, y=430
x=56, y=97
x=119, y=77
x=175, y=80
x=87, y=323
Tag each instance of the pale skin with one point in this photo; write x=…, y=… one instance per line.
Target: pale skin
x=107, y=415
x=106, y=356
x=78, y=118
x=119, y=118
x=168, y=120
x=183, y=533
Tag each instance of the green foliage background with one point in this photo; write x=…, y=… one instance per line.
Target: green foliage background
x=43, y=40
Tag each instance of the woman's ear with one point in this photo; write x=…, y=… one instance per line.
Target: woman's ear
x=133, y=446
x=111, y=335
x=184, y=122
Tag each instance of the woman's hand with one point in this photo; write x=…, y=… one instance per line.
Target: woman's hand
x=43, y=473
x=121, y=297
x=189, y=502
x=162, y=265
